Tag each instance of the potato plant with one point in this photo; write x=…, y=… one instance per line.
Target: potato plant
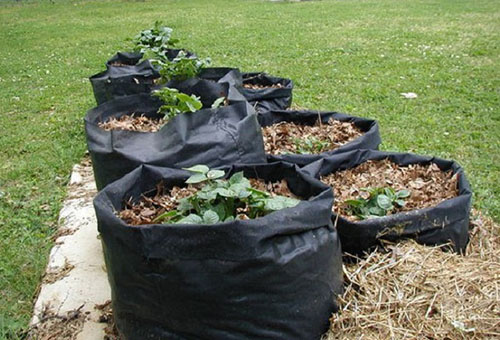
x=175, y=102
x=310, y=145
x=380, y=202
x=155, y=39
x=221, y=200
x=181, y=68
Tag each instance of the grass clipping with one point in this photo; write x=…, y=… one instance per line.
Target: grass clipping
x=414, y=291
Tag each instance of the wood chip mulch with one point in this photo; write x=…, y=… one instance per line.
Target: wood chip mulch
x=53, y=326
x=260, y=87
x=149, y=207
x=428, y=185
x=280, y=138
x=117, y=64
x=133, y=123
x=53, y=276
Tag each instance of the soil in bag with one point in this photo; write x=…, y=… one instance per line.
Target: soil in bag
x=273, y=276
x=382, y=196
x=303, y=136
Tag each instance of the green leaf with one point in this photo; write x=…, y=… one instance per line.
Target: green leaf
x=210, y=217
x=258, y=192
x=214, y=174
x=384, y=202
x=403, y=193
x=400, y=202
x=200, y=168
x=218, y=102
x=207, y=195
x=220, y=210
x=389, y=192
x=280, y=202
x=355, y=203
x=196, y=178
x=191, y=219
x=237, y=177
x=166, y=216
x=376, y=211
x=225, y=192
x=184, y=205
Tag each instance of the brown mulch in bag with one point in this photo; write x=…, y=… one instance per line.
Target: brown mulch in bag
x=428, y=185
x=289, y=137
x=260, y=87
x=117, y=64
x=149, y=207
x=133, y=123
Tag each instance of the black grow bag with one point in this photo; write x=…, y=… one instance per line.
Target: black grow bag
x=369, y=140
x=275, y=277
x=214, y=137
x=119, y=81
x=270, y=98
x=133, y=77
x=447, y=222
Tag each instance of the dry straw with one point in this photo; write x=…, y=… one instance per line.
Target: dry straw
x=418, y=292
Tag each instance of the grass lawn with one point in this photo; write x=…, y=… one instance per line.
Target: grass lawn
x=352, y=56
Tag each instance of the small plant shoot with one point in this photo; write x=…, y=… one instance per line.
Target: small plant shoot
x=175, y=102
x=310, y=145
x=220, y=200
x=154, y=40
x=181, y=68
x=379, y=202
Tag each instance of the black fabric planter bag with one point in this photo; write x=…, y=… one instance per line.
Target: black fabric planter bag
x=214, y=137
x=222, y=75
x=268, y=98
x=125, y=58
x=369, y=140
x=275, y=277
x=447, y=222
x=119, y=81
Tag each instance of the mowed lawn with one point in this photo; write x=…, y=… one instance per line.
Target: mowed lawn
x=352, y=56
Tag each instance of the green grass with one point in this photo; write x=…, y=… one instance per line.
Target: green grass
x=352, y=56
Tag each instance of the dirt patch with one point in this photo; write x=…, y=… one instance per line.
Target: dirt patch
x=106, y=316
x=289, y=137
x=150, y=207
x=51, y=277
x=428, y=185
x=133, y=122
x=418, y=292
x=62, y=232
x=58, y=327
x=260, y=87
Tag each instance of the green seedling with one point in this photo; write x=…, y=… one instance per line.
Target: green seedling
x=221, y=200
x=380, y=202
